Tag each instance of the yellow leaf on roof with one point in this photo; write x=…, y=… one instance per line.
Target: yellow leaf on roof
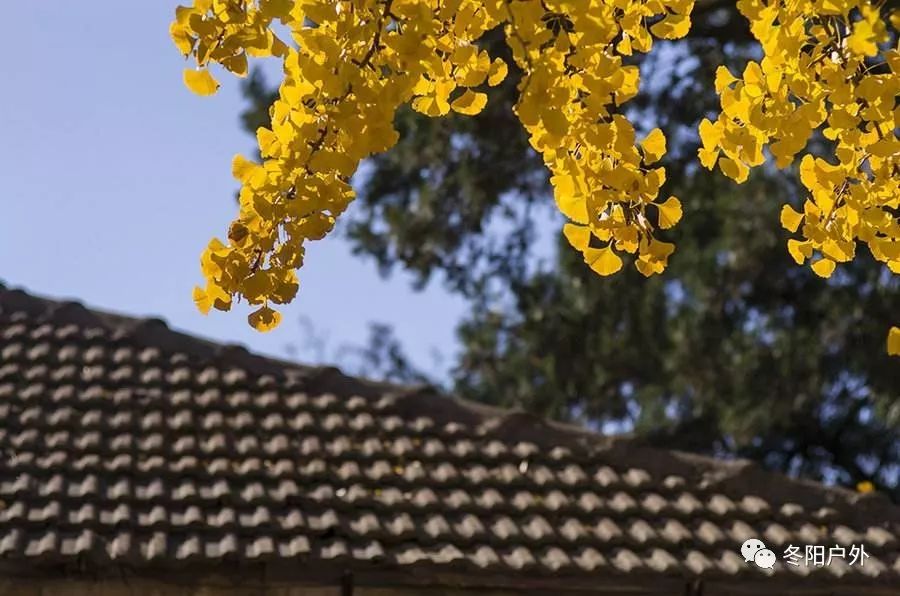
x=865, y=487
x=200, y=81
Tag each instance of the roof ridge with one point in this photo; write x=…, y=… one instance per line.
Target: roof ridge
x=735, y=477
x=145, y=331
x=155, y=332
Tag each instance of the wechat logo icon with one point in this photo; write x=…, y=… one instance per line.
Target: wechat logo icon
x=754, y=551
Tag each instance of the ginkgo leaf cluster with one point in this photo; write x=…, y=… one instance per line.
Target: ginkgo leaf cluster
x=350, y=64
x=575, y=80
x=827, y=66
x=353, y=63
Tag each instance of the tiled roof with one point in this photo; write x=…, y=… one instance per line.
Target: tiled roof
x=128, y=446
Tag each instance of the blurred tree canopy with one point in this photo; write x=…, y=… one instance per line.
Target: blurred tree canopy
x=734, y=350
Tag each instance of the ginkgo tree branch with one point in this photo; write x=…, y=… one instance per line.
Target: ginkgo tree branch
x=817, y=74
x=814, y=76
x=310, y=152
x=376, y=41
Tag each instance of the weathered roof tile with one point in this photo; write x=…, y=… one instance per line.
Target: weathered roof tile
x=128, y=442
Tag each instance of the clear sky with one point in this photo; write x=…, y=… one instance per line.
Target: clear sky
x=115, y=177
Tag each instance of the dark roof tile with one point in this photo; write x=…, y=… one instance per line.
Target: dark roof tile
x=128, y=442
x=590, y=559
x=483, y=556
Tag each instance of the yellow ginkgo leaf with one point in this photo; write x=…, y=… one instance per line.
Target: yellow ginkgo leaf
x=863, y=39
x=578, y=236
x=268, y=142
x=645, y=267
x=285, y=287
x=469, y=103
x=724, y=78
x=823, y=268
x=433, y=104
x=799, y=251
x=211, y=297
x=236, y=64
x=735, y=170
x=603, y=260
x=202, y=300
x=257, y=286
x=893, y=341
x=708, y=157
x=200, y=81
x=660, y=251
x=669, y=213
x=264, y=319
x=790, y=219
x=654, y=257
x=275, y=9
x=497, y=73
x=654, y=146
x=673, y=26
x=181, y=37
x=754, y=79
x=241, y=167
x=710, y=134
x=568, y=198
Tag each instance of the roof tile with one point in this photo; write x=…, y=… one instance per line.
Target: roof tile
x=128, y=442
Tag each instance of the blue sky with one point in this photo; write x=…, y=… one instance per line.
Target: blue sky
x=115, y=176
